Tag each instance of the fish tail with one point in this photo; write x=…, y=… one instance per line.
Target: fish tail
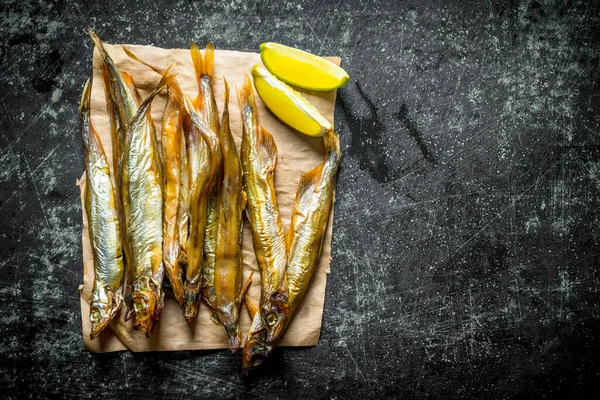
x=174, y=89
x=204, y=63
x=332, y=147
x=136, y=58
x=166, y=78
x=226, y=101
x=246, y=95
x=103, y=53
x=84, y=104
x=91, y=139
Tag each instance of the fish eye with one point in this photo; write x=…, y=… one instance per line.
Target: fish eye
x=95, y=315
x=271, y=319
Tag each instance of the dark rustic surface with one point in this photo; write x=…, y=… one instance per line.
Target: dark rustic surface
x=466, y=238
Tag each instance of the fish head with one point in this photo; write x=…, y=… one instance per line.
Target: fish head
x=103, y=307
x=147, y=306
x=229, y=320
x=267, y=329
x=256, y=348
x=274, y=313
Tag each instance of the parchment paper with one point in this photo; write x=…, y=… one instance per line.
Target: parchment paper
x=297, y=153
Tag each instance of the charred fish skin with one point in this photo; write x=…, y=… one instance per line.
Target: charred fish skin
x=310, y=217
x=258, y=158
x=144, y=194
x=103, y=226
x=224, y=292
x=204, y=158
x=173, y=152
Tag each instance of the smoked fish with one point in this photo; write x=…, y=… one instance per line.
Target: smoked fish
x=175, y=174
x=258, y=158
x=142, y=188
x=204, y=159
x=304, y=242
x=223, y=289
x=103, y=225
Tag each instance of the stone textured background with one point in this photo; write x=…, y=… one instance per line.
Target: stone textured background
x=466, y=236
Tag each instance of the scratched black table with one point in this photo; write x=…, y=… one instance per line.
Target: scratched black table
x=465, y=249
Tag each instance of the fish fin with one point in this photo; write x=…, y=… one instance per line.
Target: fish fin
x=267, y=150
x=246, y=286
x=209, y=60
x=225, y=117
x=174, y=89
x=214, y=317
x=197, y=60
x=197, y=120
x=309, y=179
x=251, y=306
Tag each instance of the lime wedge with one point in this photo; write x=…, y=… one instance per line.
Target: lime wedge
x=288, y=105
x=302, y=69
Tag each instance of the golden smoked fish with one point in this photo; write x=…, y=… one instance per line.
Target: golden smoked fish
x=122, y=101
x=142, y=188
x=204, y=159
x=304, y=241
x=223, y=289
x=103, y=225
x=258, y=157
x=174, y=166
x=206, y=106
x=118, y=139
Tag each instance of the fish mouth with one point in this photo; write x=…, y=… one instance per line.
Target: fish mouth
x=100, y=317
x=256, y=350
x=103, y=307
x=233, y=331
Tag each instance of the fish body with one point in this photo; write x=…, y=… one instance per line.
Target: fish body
x=258, y=158
x=103, y=226
x=122, y=100
x=142, y=188
x=206, y=105
x=312, y=208
x=304, y=241
x=204, y=162
x=224, y=292
x=174, y=175
x=204, y=158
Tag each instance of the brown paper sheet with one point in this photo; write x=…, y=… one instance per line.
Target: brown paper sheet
x=297, y=153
